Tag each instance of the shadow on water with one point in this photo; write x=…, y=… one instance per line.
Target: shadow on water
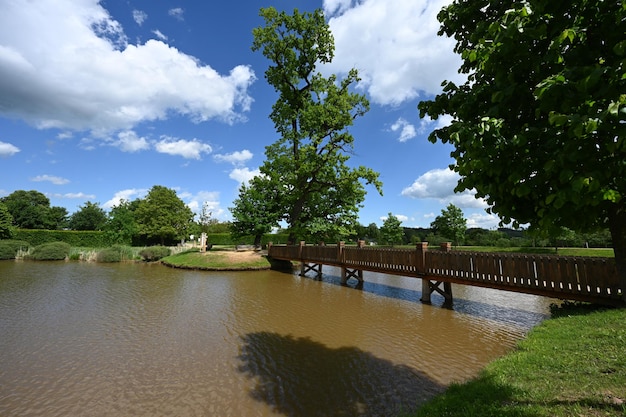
x=498, y=313
x=299, y=377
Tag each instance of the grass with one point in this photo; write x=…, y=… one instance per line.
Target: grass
x=571, y=365
x=598, y=252
x=218, y=258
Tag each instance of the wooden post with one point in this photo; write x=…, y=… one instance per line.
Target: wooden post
x=347, y=273
x=420, y=269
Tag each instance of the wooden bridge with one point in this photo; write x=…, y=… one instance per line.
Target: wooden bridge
x=564, y=277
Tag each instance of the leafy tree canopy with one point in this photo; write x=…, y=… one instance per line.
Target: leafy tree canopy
x=314, y=189
x=90, y=216
x=31, y=210
x=450, y=224
x=539, y=127
x=121, y=222
x=391, y=232
x=255, y=211
x=6, y=222
x=162, y=215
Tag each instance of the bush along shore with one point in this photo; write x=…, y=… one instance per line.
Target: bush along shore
x=218, y=258
x=59, y=251
x=573, y=364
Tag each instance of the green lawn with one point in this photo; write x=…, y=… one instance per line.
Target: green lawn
x=217, y=259
x=571, y=365
x=600, y=252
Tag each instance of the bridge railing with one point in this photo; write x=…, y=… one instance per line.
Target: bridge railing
x=573, y=277
x=563, y=274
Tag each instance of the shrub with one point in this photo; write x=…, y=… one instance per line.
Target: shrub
x=154, y=253
x=9, y=248
x=53, y=251
x=109, y=255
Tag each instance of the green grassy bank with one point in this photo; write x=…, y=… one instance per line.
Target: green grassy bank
x=218, y=258
x=573, y=364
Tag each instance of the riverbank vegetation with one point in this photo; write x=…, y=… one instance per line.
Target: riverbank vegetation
x=573, y=364
x=220, y=258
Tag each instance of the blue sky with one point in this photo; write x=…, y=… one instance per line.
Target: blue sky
x=101, y=100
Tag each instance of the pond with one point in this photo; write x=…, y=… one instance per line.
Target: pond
x=139, y=339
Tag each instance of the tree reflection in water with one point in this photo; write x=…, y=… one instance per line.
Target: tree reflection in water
x=299, y=377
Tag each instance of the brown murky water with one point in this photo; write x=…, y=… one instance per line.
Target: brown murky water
x=80, y=339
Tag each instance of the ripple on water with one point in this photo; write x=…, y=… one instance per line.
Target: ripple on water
x=108, y=340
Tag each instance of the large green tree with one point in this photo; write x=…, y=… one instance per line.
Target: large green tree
x=255, y=211
x=391, y=232
x=6, y=222
x=316, y=190
x=539, y=127
x=90, y=216
x=162, y=215
x=450, y=224
x=31, y=210
x=121, y=224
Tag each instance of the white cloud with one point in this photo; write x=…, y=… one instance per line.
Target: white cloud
x=176, y=13
x=400, y=217
x=407, y=130
x=128, y=141
x=127, y=195
x=159, y=34
x=336, y=6
x=394, y=45
x=67, y=64
x=427, y=124
x=235, y=158
x=483, y=221
x=242, y=175
x=50, y=178
x=439, y=184
x=139, y=16
x=210, y=198
x=73, y=196
x=190, y=149
x=7, y=149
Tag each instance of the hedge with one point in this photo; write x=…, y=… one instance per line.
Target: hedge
x=75, y=238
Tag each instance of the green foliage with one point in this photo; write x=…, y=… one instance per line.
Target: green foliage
x=121, y=226
x=163, y=216
x=90, y=216
x=450, y=224
x=571, y=365
x=391, y=232
x=92, y=239
x=306, y=169
x=255, y=211
x=31, y=210
x=6, y=222
x=154, y=253
x=539, y=126
x=52, y=251
x=9, y=248
x=109, y=255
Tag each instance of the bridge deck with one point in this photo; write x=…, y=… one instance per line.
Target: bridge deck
x=574, y=278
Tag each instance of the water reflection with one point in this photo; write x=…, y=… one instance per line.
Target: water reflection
x=501, y=306
x=132, y=339
x=302, y=377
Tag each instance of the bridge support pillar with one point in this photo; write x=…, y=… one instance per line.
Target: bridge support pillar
x=317, y=268
x=347, y=273
x=428, y=287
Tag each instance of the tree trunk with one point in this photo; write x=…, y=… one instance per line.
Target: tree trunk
x=617, y=226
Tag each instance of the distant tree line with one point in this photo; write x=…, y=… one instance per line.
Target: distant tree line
x=159, y=218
